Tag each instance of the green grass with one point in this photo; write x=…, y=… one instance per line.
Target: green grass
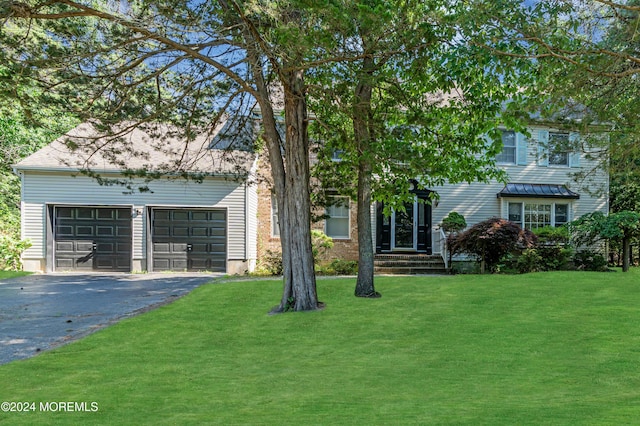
x=547, y=348
x=5, y=275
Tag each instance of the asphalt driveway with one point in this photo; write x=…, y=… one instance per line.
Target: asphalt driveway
x=40, y=312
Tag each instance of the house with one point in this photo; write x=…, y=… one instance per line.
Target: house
x=541, y=191
x=229, y=220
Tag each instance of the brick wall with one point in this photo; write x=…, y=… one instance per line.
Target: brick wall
x=346, y=249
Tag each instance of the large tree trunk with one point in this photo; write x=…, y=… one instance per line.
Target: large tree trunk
x=291, y=185
x=362, y=118
x=299, y=276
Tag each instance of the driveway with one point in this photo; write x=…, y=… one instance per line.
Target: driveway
x=39, y=312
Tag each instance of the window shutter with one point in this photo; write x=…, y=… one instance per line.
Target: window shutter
x=574, y=155
x=521, y=149
x=543, y=148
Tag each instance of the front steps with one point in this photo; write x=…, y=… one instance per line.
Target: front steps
x=409, y=264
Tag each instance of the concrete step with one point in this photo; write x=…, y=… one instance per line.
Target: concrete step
x=410, y=271
x=409, y=264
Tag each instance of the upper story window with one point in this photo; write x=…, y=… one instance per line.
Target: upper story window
x=337, y=223
x=508, y=154
x=558, y=149
x=336, y=154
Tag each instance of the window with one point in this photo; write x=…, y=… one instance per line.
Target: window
x=508, y=154
x=561, y=214
x=532, y=215
x=336, y=154
x=515, y=212
x=337, y=223
x=558, y=149
x=537, y=215
x=275, y=226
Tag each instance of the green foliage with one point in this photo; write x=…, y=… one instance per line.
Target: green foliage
x=554, y=257
x=271, y=263
x=589, y=260
x=372, y=108
x=320, y=244
x=586, y=229
x=338, y=267
x=10, y=250
x=529, y=261
x=552, y=235
x=596, y=226
x=454, y=222
x=623, y=224
x=23, y=130
x=491, y=239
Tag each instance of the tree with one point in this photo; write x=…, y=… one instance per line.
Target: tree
x=415, y=101
x=589, y=56
x=490, y=240
x=23, y=130
x=621, y=226
x=191, y=64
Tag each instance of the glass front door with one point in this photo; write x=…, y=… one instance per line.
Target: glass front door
x=404, y=227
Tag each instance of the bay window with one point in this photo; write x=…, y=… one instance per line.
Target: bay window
x=533, y=215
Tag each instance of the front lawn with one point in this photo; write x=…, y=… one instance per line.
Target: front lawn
x=5, y=275
x=546, y=348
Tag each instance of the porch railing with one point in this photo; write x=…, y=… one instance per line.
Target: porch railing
x=442, y=244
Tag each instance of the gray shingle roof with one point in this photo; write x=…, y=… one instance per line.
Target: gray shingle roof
x=537, y=190
x=152, y=147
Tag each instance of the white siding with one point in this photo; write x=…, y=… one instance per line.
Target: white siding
x=41, y=189
x=478, y=201
x=252, y=221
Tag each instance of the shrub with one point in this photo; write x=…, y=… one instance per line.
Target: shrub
x=553, y=257
x=589, y=260
x=491, y=239
x=272, y=263
x=454, y=222
x=549, y=235
x=10, y=250
x=529, y=261
x=320, y=244
x=343, y=267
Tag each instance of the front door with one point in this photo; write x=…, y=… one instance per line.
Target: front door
x=408, y=230
x=404, y=228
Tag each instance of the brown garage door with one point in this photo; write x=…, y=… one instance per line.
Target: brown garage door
x=189, y=239
x=92, y=238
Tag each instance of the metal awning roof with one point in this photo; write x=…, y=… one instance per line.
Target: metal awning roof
x=537, y=190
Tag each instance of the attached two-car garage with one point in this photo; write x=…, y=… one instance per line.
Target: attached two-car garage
x=87, y=238
x=75, y=222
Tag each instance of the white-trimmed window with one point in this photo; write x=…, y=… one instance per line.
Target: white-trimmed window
x=508, y=154
x=533, y=215
x=275, y=225
x=336, y=154
x=558, y=149
x=336, y=225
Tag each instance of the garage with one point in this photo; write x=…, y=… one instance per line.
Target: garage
x=92, y=238
x=189, y=239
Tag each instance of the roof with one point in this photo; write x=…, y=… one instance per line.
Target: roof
x=151, y=147
x=537, y=190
